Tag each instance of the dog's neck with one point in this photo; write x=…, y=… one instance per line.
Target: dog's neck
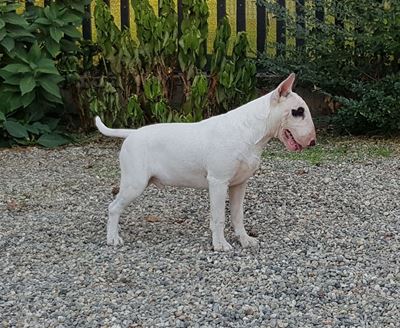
x=257, y=122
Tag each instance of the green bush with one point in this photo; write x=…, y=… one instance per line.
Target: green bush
x=138, y=83
x=346, y=60
x=32, y=45
x=375, y=108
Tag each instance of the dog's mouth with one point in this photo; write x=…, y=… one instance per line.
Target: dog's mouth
x=290, y=141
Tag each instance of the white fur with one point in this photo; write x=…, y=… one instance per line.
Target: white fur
x=220, y=153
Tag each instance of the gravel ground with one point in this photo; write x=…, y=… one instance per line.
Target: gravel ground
x=328, y=257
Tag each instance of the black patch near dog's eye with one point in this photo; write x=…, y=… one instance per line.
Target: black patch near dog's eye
x=298, y=112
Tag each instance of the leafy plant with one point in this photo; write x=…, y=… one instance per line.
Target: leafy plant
x=346, y=59
x=197, y=103
x=154, y=96
x=375, y=107
x=121, y=57
x=31, y=77
x=236, y=78
x=55, y=27
x=219, y=57
x=14, y=28
x=31, y=44
x=137, y=83
x=192, y=43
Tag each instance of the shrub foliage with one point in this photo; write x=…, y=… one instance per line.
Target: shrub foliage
x=34, y=48
x=353, y=56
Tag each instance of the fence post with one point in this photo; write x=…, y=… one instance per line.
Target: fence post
x=281, y=32
x=300, y=22
x=261, y=28
x=86, y=24
x=241, y=15
x=124, y=8
x=221, y=10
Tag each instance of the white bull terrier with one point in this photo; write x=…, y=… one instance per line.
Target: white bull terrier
x=219, y=153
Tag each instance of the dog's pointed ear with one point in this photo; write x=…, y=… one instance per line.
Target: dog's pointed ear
x=284, y=88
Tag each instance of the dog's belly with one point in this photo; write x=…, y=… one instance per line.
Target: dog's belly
x=183, y=179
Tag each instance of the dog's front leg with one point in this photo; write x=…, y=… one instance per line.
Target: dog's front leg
x=236, y=197
x=218, y=191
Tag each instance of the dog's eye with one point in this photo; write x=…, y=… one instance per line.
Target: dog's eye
x=298, y=112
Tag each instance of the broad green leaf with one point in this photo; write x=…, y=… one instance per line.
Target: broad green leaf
x=3, y=34
x=55, y=79
x=15, y=19
x=47, y=70
x=52, y=47
x=51, y=140
x=42, y=128
x=27, y=84
x=34, y=53
x=27, y=99
x=8, y=43
x=71, y=31
x=2, y=117
x=16, y=68
x=52, y=123
x=71, y=18
x=20, y=33
x=46, y=66
x=47, y=13
x=15, y=102
x=2, y=23
x=42, y=21
x=10, y=78
x=56, y=34
x=10, y=7
x=50, y=98
x=15, y=129
x=32, y=129
x=50, y=87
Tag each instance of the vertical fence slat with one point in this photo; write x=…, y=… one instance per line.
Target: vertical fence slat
x=261, y=28
x=212, y=25
x=300, y=21
x=319, y=10
x=281, y=32
x=86, y=24
x=221, y=9
x=180, y=17
x=241, y=15
x=124, y=8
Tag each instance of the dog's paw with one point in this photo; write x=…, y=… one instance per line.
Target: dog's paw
x=114, y=240
x=222, y=246
x=248, y=241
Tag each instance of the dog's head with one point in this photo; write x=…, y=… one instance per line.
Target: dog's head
x=294, y=124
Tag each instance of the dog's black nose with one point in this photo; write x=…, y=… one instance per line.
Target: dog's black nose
x=312, y=143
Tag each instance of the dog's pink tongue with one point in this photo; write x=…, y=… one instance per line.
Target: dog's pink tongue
x=293, y=145
x=292, y=142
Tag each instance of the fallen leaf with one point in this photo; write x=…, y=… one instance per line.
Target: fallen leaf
x=12, y=205
x=152, y=218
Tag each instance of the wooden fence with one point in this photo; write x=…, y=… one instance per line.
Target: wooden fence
x=244, y=15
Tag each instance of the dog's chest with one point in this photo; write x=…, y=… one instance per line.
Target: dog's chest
x=245, y=169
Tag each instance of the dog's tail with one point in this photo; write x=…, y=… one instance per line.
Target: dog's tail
x=119, y=133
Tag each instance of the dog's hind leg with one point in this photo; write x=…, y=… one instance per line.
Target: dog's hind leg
x=127, y=193
x=236, y=197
